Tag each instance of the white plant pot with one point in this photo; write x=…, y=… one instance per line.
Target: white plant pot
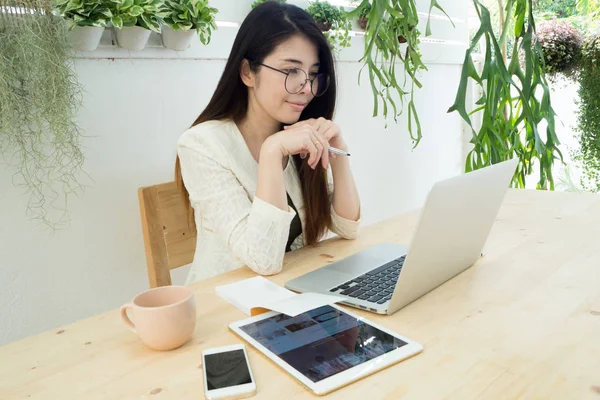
x=85, y=38
x=133, y=37
x=177, y=40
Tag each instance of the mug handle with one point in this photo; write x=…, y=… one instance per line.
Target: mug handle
x=125, y=317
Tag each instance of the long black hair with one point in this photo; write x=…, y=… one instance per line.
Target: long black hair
x=267, y=26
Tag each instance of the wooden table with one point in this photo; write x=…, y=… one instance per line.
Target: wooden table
x=523, y=323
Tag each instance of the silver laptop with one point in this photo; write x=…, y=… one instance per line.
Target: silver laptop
x=453, y=227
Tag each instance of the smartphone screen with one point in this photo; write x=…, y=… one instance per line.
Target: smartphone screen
x=226, y=369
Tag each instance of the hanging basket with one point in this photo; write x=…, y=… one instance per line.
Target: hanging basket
x=363, y=22
x=324, y=26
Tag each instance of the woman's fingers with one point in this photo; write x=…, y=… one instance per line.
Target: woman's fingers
x=319, y=147
x=330, y=132
x=319, y=124
x=324, y=144
x=316, y=142
x=313, y=151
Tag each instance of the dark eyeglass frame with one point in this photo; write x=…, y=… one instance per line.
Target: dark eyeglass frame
x=287, y=75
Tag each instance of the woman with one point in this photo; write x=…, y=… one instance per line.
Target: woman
x=255, y=163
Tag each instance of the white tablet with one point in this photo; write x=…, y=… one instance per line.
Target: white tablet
x=325, y=348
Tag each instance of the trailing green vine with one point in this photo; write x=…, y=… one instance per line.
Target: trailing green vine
x=39, y=97
x=588, y=115
x=392, y=38
x=516, y=99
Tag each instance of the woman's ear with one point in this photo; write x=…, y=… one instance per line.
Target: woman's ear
x=246, y=74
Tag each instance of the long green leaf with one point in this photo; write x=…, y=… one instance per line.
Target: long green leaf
x=509, y=123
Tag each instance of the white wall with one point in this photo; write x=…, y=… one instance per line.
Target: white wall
x=135, y=107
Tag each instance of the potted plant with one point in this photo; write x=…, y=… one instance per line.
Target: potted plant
x=87, y=19
x=259, y=2
x=363, y=16
x=399, y=20
x=183, y=18
x=402, y=26
x=134, y=20
x=324, y=14
x=332, y=21
x=562, y=45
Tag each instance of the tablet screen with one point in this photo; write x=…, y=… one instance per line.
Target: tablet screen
x=321, y=342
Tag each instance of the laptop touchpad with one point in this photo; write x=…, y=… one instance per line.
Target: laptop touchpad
x=356, y=264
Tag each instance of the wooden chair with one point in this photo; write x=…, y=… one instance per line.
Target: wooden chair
x=169, y=239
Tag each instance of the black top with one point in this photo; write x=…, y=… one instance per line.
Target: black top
x=295, y=226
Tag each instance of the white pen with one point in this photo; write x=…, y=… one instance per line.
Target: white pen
x=338, y=151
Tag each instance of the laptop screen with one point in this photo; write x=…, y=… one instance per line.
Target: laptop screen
x=322, y=342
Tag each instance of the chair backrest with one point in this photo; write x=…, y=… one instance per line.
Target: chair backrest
x=169, y=236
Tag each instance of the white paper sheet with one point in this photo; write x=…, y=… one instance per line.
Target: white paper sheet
x=258, y=292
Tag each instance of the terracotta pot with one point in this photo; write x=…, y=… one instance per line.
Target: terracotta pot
x=402, y=39
x=362, y=22
x=324, y=27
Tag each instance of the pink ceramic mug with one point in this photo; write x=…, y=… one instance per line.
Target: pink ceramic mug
x=164, y=318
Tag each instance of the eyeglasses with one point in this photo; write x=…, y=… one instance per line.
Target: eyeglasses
x=296, y=78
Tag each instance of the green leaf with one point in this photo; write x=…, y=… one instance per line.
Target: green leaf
x=75, y=4
x=461, y=95
x=117, y=21
x=136, y=11
x=412, y=114
x=128, y=20
x=509, y=122
x=519, y=24
x=435, y=4
x=107, y=13
x=150, y=23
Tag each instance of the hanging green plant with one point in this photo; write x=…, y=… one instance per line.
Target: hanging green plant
x=363, y=16
x=392, y=37
x=39, y=98
x=588, y=115
x=333, y=22
x=256, y=3
x=561, y=44
x=516, y=99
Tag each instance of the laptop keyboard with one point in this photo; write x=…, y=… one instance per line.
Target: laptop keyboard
x=376, y=286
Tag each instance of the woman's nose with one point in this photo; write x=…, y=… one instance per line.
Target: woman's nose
x=306, y=88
